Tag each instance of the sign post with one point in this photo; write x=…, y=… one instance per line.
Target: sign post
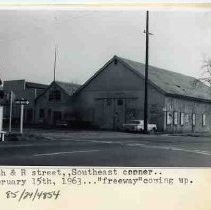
x=21, y=119
x=21, y=102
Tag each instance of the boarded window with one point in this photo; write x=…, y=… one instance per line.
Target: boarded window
x=169, y=118
x=175, y=118
x=193, y=119
x=182, y=116
x=203, y=120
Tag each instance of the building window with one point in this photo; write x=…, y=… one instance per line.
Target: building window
x=55, y=95
x=169, y=118
x=119, y=102
x=193, y=119
x=131, y=114
x=108, y=102
x=203, y=119
x=175, y=118
x=49, y=113
x=42, y=113
x=182, y=115
x=186, y=119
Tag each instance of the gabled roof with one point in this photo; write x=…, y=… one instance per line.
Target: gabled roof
x=167, y=82
x=27, y=84
x=171, y=82
x=69, y=88
x=35, y=85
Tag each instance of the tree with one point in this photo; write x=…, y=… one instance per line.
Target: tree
x=206, y=72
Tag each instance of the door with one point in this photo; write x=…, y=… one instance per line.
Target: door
x=119, y=113
x=109, y=104
x=49, y=116
x=57, y=116
x=98, y=113
x=29, y=115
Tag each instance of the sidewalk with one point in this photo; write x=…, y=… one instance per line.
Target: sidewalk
x=207, y=134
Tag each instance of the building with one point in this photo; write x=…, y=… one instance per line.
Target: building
x=54, y=105
x=115, y=95
x=26, y=90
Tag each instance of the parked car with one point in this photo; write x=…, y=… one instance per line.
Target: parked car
x=62, y=124
x=138, y=126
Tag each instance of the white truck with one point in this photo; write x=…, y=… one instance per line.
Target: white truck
x=138, y=126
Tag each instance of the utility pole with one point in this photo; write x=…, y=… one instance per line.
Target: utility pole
x=54, y=69
x=146, y=75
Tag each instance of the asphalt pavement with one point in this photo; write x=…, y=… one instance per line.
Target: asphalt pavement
x=105, y=148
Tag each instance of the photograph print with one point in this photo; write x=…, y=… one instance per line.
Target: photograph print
x=119, y=86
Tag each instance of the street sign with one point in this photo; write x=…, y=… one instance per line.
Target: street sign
x=21, y=102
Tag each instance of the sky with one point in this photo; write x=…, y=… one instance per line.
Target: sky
x=87, y=38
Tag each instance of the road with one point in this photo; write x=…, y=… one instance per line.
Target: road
x=104, y=148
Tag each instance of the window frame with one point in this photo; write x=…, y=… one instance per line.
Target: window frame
x=182, y=116
x=187, y=119
x=203, y=119
x=54, y=95
x=175, y=118
x=169, y=118
x=193, y=119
